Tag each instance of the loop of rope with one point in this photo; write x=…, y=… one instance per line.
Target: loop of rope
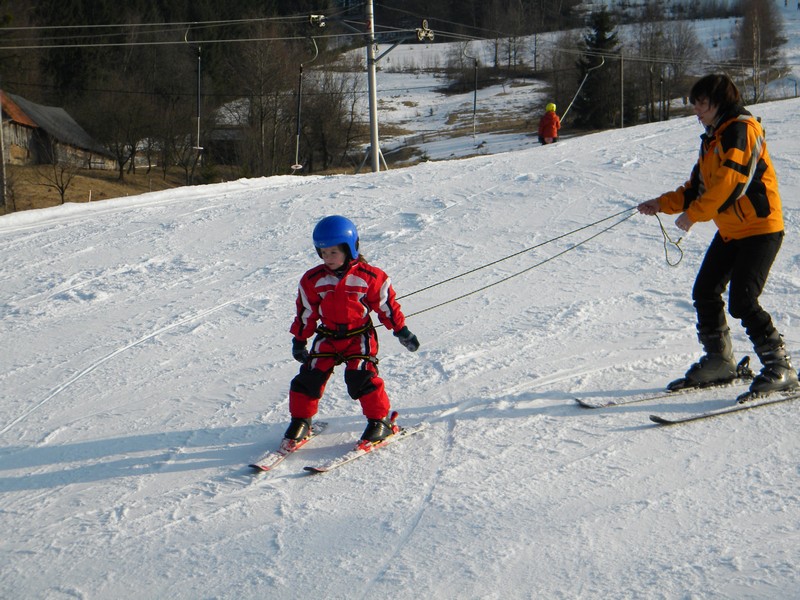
x=667, y=241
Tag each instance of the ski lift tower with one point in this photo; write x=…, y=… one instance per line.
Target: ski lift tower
x=374, y=145
x=423, y=34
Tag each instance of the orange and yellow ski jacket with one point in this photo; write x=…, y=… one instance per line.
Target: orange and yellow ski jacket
x=733, y=183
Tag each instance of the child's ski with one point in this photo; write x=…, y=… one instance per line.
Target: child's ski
x=275, y=457
x=363, y=448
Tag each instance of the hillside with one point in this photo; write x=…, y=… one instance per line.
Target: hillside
x=35, y=186
x=418, y=121
x=148, y=362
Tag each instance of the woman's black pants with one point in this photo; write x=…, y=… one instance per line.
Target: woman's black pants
x=745, y=265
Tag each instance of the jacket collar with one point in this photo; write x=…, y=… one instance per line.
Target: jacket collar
x=729, y=115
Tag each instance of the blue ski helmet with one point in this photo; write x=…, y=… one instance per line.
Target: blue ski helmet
x=336, y=230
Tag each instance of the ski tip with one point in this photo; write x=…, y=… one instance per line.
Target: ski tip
x=586, y=404
x=314, y=470
x=678, y=385
x=660, y=420
x=258, y=468
x=411, y=429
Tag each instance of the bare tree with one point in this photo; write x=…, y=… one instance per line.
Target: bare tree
x=513, y=24
x=460, y=67
x=649, y=71
x=758, y=41
x=682, y=50
x=266, y=71
x=59, y=173
x=332, y=120
x=118, y=120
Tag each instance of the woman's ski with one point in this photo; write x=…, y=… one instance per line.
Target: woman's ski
x=774, y=398
x=743, y=371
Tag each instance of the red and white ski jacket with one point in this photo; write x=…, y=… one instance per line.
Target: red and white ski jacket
x=343, y=305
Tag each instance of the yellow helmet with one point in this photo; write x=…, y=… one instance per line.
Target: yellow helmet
x=550, y=107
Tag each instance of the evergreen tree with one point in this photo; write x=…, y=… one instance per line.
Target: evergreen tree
x=598, y=101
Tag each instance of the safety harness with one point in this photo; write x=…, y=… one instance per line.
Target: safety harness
x=343, y=334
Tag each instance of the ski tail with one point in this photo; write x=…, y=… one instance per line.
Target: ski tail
x=763, y=400
x=272, y=459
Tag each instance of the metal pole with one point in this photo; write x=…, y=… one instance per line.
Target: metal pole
x=199, y=147
x=3, y=187
x=475, y=90
x=373, y=94
x=621, y=91
x=297, y=166
x=475, y=98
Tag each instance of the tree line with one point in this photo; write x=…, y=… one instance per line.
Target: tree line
x=259, y=82
x=663, y=59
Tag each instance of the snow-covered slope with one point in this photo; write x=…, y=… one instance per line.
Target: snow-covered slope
x=146, y=361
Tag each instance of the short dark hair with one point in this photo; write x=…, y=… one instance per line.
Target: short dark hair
x=718, y=89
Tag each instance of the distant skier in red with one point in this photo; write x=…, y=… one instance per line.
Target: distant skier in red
x=549, y=125
x=334, y=302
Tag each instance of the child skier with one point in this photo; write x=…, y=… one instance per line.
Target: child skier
x=339, y=295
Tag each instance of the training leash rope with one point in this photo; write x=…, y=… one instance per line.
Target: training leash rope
x=512, y=276
x=630, y=213
x=459, y=276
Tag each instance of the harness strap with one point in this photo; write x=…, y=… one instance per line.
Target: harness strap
x=343, y=335
x=343, y=358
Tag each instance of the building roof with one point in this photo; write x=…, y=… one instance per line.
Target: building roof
x=52, y=119
x=14, y=112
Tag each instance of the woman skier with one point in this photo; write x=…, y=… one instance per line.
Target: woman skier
x=734, y=184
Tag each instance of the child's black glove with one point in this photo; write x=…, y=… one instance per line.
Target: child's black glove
x=299, y=350
x=408, y=339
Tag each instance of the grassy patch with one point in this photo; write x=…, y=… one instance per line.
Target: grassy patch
x=29, y=187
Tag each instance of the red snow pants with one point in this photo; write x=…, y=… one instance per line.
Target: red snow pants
x=359, y=355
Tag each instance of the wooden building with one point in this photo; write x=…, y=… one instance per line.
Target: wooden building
x=34, y=134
